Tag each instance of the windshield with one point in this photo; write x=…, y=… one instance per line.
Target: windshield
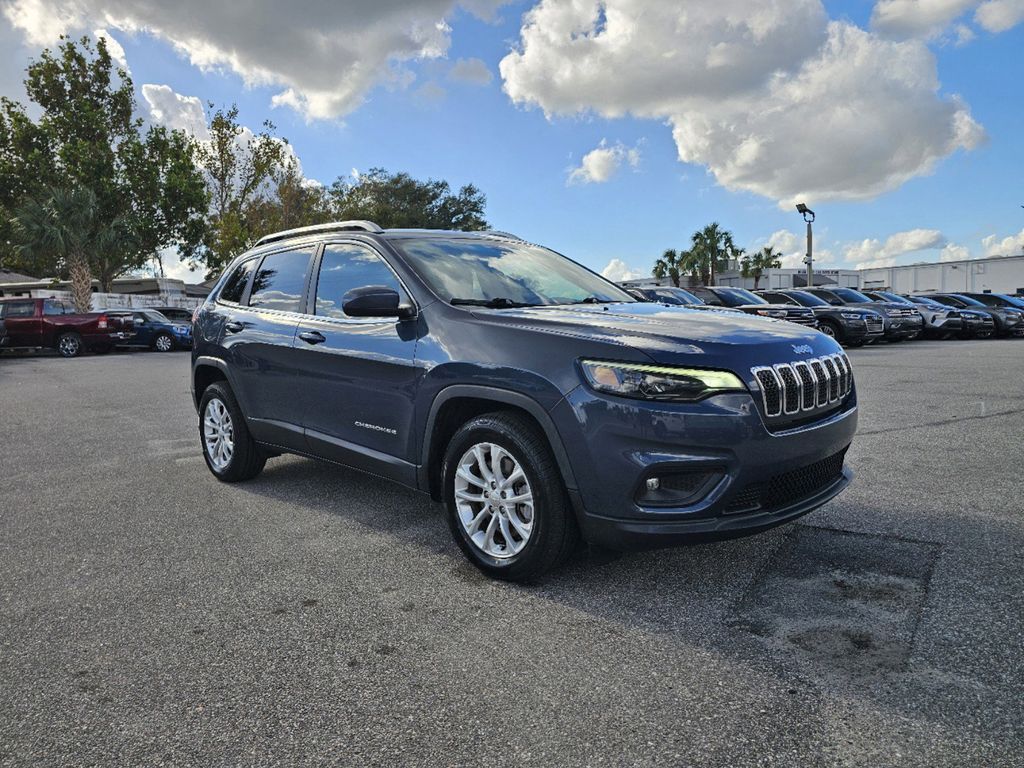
x=504, y=272
x=926, y=301
x=156, y=317
x=679, y=295
x=848, y=294
x=967, y=300
x=807, y=299
x=737, y=297
x=886, y=296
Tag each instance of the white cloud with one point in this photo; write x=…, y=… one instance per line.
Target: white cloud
x=1006, y=246
x=769, y=96
x=874, y=253
x=617, y=270
x=917, y=18
x=999, y=15
x=324, y=59
x=179, y=112
x=473, y=71
x=601, y=163
x=929, y=19
x=174, y=267
x=954, y=252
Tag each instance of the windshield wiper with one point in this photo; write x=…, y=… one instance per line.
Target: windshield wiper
x=499, y=302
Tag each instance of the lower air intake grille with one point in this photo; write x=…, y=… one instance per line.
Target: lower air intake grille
x=789, y=487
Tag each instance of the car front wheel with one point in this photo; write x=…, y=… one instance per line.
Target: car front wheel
x=507, y=504
x=230, y=452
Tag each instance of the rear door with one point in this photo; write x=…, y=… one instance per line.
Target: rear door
x=257, y=337
x=357, y=375
x=24, y=329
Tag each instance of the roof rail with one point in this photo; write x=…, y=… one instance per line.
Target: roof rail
x=499, y=233
x=356, y=225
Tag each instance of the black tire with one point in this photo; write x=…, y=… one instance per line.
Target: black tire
x=69, y=344
x=832, y=329
x=247, y=459
x=554, y=534
x=164, y=342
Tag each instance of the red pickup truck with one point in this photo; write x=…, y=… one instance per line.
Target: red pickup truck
x=54, y=324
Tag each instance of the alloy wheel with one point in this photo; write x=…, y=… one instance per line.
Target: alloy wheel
x=164, y=343
x=218, y=434
x=494, y=500
x=69, y=346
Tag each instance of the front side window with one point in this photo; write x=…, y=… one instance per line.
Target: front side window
x=344, y=267
x=467, y=270
x=280, y=281
x=234, y=286
x=18, y=309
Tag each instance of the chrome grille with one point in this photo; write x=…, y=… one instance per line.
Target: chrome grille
x=875, y=324
x=804, y=385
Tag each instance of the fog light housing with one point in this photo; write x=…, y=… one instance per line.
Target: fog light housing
x=677, y=487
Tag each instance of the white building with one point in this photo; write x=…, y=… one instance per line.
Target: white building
x=1000, y=274
x=128, y=292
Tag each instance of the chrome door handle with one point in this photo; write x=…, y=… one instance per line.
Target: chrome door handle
x=312, y=337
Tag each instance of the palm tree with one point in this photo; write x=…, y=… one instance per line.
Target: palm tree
x=715, y=248
x=669, y=265
x=63, y=224
x=755, y=265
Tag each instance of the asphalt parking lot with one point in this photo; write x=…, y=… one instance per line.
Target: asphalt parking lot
x=151, y=615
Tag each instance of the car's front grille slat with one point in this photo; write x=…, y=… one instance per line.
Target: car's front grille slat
x=804, y=385
x=789, y=487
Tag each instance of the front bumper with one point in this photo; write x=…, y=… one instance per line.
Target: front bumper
x=903, y=327
x=614, y=444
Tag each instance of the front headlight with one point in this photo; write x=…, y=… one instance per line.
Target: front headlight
x=181, y=330
x=853, y=315
x=771, y=312
x=658, y=382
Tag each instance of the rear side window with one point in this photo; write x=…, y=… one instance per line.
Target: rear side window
x=234, y=287
x=280, y=281
x=344, y=267
x=51, y=307
x=18, y=309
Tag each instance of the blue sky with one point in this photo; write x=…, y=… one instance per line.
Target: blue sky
x=897, y=169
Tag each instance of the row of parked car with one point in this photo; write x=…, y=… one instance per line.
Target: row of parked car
x=855, y=318
x=54, y=324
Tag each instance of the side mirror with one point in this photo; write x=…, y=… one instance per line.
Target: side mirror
x=375, y=301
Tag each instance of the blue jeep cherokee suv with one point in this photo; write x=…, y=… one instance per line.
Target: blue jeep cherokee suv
x=533, y=397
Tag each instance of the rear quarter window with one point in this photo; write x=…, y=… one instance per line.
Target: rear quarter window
x=234, y=286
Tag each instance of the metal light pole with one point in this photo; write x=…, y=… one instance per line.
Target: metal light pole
x=808, y=215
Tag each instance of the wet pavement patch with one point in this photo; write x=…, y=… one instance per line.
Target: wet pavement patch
x=847, y=601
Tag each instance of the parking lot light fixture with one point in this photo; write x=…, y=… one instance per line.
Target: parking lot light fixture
x=808, y=215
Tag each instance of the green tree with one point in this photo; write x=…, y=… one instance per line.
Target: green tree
x=398, y=200
x=670, y=265
x=294, y=201
x=68, y=227
x=754, y=265
x=712, y=250
x=239, y=167
x=87, y=138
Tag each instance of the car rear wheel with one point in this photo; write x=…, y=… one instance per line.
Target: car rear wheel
x=69, y=344
x=507, y=504
x=230, y=452
x=163, y=343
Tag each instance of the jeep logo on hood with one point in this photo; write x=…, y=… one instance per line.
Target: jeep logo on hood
x=803, y=349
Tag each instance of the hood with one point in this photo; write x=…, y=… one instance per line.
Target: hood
x=675, y=335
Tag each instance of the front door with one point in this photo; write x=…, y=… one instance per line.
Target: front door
x=23, y=327
x=358, y=375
